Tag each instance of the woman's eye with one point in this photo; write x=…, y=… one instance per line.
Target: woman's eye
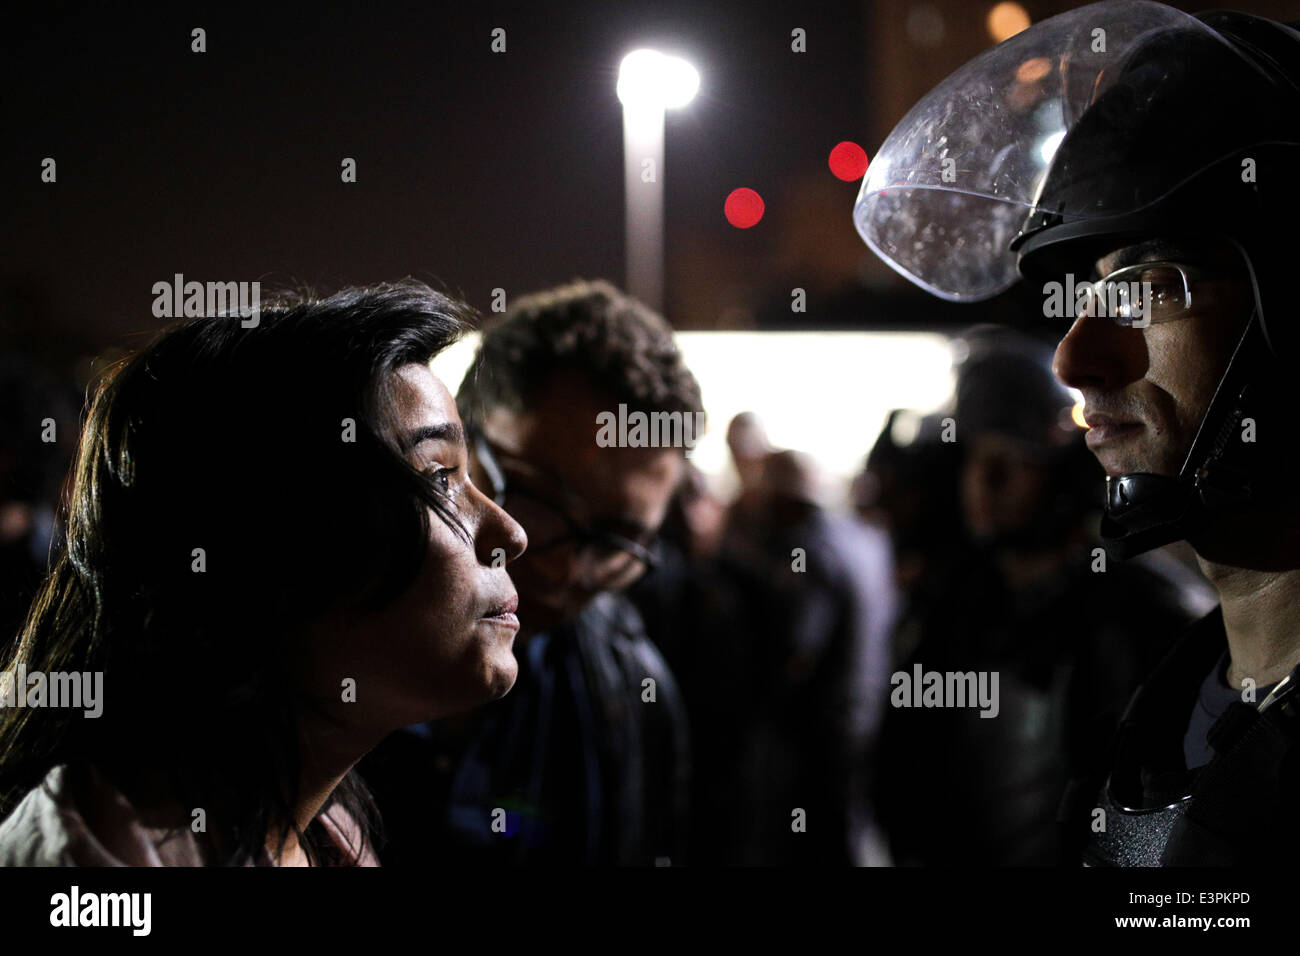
x=442, y=478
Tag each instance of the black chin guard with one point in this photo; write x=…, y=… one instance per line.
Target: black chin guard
x=1145, y=511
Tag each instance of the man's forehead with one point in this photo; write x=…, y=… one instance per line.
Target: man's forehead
x=1149, y=250
x=1164, y=248
x=612, y=481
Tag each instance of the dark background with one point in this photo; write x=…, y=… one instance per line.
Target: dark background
x=476, y=170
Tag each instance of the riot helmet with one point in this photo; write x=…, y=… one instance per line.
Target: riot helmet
x=1122, y=120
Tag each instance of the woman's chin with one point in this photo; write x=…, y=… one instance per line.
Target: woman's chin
x=491, y=678
x=502, y=673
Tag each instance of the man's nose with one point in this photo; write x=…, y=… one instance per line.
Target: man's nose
x=1097, y=353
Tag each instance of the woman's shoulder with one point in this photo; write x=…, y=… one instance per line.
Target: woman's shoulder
x=75, y=817
x=347, y=835
x=37, y=833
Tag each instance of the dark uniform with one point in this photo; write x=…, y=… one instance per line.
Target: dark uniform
x=585, y=770
x=1158, y=808
x=961, y=789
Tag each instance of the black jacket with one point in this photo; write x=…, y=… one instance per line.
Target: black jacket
x=1243, y=808
x=957, y=789
x=575, y=764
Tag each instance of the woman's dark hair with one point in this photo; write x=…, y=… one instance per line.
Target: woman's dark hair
x=270, y=448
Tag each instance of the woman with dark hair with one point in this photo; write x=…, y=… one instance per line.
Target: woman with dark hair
x=274, y=557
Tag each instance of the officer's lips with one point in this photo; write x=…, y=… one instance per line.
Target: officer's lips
x=1103, y=429
x=1106, y=436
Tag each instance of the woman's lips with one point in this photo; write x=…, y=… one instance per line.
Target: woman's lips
x=504, y=613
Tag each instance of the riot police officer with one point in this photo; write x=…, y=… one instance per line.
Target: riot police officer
x=1130, y=146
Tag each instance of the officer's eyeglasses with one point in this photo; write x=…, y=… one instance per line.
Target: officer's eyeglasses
x=1144, y=294
x=550, y=523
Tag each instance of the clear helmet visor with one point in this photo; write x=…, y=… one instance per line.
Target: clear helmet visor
x=1082, y=115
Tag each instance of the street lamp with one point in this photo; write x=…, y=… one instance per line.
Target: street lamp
x=649, y=82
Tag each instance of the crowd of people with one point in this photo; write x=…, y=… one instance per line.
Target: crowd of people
x=342, y=616
x=692, y=680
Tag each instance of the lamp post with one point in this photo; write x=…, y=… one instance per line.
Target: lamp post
x=649, y=82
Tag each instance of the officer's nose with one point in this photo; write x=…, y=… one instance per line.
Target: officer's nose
x=1098, y=354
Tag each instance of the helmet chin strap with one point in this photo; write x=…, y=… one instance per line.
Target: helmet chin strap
x=1145, y=511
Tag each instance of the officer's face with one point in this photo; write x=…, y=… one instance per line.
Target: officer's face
x=1146, y=389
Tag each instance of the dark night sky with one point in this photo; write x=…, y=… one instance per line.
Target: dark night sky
x=475, y=169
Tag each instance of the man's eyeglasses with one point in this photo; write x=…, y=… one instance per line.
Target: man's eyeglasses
x=549, y=523
x=1144, y=294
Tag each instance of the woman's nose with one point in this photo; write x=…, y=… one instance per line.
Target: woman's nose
x=501, y=538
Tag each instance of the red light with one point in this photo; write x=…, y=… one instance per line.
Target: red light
x=744, y=208
x=848, y=161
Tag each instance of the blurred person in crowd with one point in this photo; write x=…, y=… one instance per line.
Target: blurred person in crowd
x=36, y=419
x=822, y=605
x=587, y=761
x=694, y=608
x=749, y=447
x=274, y=557
x=1029, y=600
x=908, y=487
x=689, y=540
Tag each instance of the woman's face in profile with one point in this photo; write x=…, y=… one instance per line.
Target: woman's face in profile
x=445, y=645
